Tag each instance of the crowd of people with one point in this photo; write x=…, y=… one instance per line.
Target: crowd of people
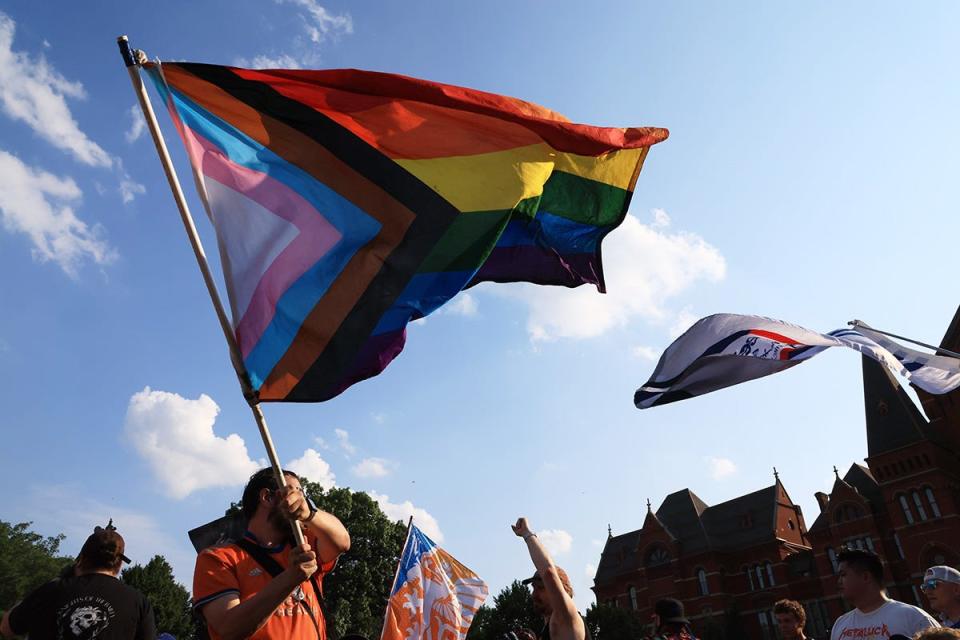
x=266, y=587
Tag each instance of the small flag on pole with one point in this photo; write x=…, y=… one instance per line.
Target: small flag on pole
x=434, y=597
x=726, y=349
x=348, y=203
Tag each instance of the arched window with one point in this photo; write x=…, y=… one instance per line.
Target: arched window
x=919, y=503
x=702, y=580
x=632, y=591
x=770, y=574
x=659, y=556
x=906, y=509
x=749, y=578
x=758, y=570
x=934, y=507
x=847, y=512
x=896, y=540
x=833, y=559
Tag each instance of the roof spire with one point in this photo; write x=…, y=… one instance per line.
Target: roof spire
x=649, y=509
x=609, y=531
x=835, y=472
x=776, y=476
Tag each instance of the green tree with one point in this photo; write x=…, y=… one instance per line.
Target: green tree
x=170, y=601
x=27, y=560
x=512, y=609
x=613, y=623
x=356, y=591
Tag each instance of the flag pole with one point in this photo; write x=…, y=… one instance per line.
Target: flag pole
x=861, y=324
x=396, y=576
x=133, y=59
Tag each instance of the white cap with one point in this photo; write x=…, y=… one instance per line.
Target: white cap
x=943, y=574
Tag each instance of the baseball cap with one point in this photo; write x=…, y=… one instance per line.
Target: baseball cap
x=564, y=580
x=670, y=610
x=104, y=546
x=942, y=573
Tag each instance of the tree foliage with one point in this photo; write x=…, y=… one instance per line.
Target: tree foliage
x=356, y=591
x=27, y=560
x=170, y=601
x=512, y=609
x=613, y=623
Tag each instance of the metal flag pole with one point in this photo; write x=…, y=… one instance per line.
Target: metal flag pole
x=861, y=324
x=133, y=59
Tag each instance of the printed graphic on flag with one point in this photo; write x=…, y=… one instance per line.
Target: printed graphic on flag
x=726, y=349
x=434, y=596
x=348, y=203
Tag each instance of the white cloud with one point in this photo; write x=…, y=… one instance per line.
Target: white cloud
x=645, y=267
x=379, y=417
x=661, y=218
x=130, y=189
x=137, y=124
x=681, y=322
x=319, y=23
x=174, y=435
x=343, y=438
x=556, y=541
x=590, y=571
x=403, y=510
x=320, y=442
x=37, y=204
x=372, y=468
x=281, y=61
x=314, y=468
x=463, y=304
x=721, y=467
x=645, y=353
x=34, y=93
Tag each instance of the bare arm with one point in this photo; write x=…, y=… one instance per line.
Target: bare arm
x=332, y=537
x=232, y=619
x=561, y=604
x=5, y=629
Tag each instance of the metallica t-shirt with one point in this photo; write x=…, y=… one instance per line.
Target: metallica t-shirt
x=892, y=620
x=84, y=607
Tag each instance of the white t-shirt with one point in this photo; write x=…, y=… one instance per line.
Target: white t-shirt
x=890, y=619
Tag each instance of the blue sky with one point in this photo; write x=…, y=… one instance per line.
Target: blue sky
x=809, y=176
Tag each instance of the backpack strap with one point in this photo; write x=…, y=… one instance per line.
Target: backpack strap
x=273, y=567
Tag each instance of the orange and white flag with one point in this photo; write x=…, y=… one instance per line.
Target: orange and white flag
x=434, y=596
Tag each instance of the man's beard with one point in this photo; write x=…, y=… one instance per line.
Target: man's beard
x=281, y=524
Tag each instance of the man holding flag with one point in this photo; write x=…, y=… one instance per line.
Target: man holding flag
x=262, y=586
x=552, y=593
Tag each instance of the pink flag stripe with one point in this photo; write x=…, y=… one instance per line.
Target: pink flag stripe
x=317, y=236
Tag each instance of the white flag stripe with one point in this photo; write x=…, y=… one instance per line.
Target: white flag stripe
x=726, y=349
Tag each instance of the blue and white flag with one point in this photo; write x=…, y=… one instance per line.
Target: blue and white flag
x=726, y=349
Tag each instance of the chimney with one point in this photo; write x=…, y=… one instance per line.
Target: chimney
x=822, y=499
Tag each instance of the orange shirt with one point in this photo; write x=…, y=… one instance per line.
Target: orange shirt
x=227, y=570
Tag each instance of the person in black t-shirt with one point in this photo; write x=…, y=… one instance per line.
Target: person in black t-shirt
x=91, y=603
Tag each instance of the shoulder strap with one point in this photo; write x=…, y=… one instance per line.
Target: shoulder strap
x=274, y=569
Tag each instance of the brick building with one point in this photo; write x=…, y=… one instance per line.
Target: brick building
x=730, y=562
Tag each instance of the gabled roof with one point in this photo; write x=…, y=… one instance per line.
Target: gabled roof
x=725, y=526
x=680, y=514
x=893, y=420
x=858, y=478
x=619, y=556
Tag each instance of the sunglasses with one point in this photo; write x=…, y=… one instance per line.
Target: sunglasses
x=929, y=585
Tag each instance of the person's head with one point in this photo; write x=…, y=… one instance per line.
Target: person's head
x=860, y=574
x=102, y=551
x=668, y=614
x=790, y=617
x=941, y=585
x=260, y=493
x=938, y=634
x=541, y=604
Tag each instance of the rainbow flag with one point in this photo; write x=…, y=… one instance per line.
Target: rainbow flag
x=348, y=203
x=433, y=596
